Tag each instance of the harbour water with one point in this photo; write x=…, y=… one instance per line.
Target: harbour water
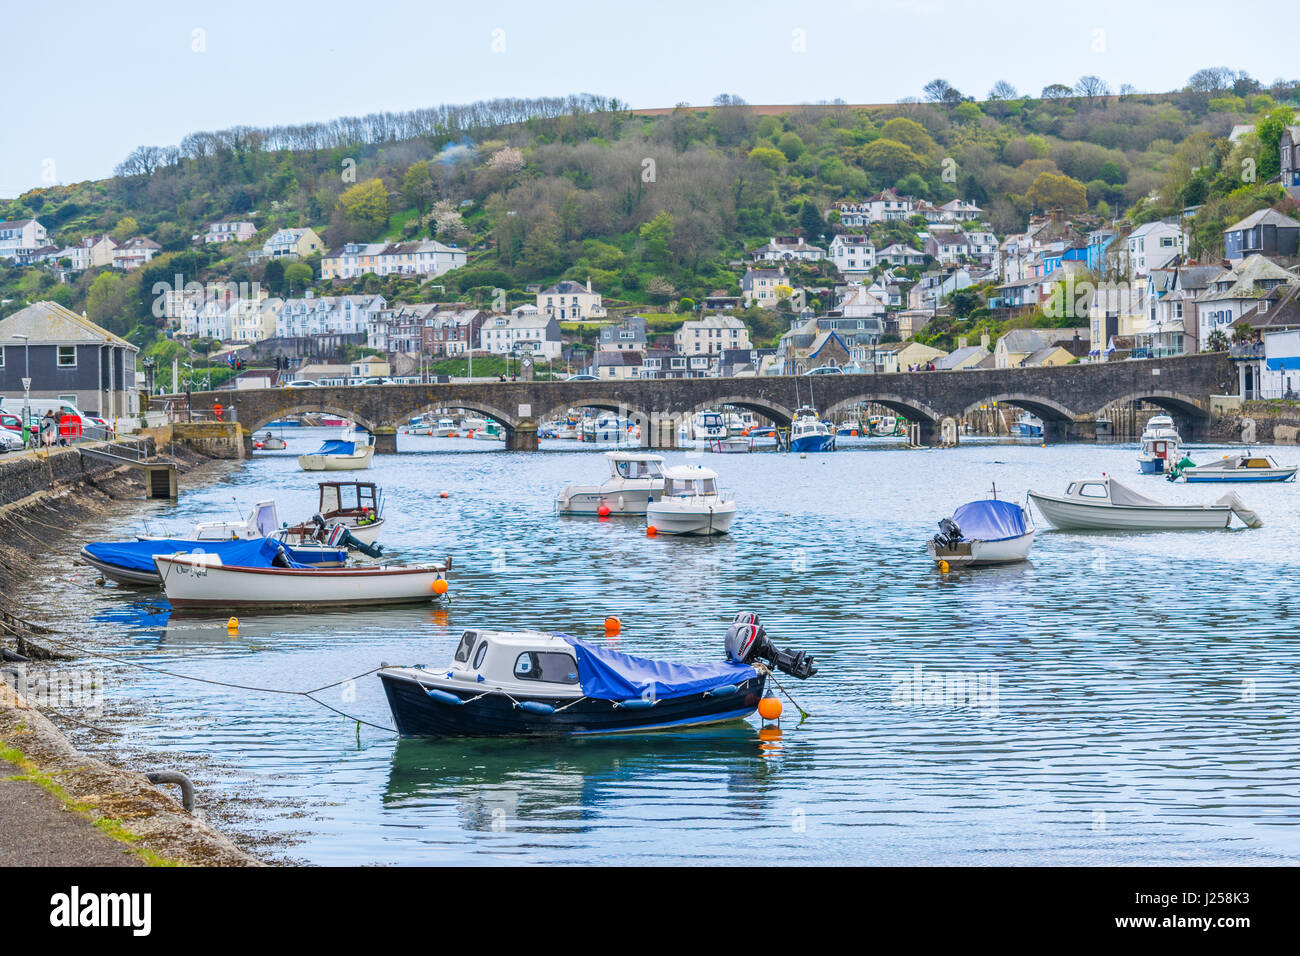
x=1121, y=698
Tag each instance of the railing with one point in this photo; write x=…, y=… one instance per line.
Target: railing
x=1248, y=350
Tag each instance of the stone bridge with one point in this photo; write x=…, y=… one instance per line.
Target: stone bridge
x=1067, y=398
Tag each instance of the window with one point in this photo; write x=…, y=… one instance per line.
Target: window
x=555, y=668
x=482, y=653
x=2, y=356
x=1092, y=490
x=466, y=645
x=67, y=356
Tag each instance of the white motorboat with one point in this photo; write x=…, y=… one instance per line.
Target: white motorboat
x=1103, y=504
x=810, y=433
x=634, y=481
x=1243, y=466
x=260, y=523
x=567, y=432
x=443, y=428
x=1160, y=445
x=731, y=446
x=196, y=581
x=356, y=505
x=339, y=455
x=691, y=503
x=708, y=426
x=983, y=532
x=610, y=429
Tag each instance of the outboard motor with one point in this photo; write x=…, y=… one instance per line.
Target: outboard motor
x=340, y=536
x=949, y=535
x=747, y=641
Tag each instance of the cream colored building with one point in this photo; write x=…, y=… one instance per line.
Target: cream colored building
x=570, y=301
x=710, y=335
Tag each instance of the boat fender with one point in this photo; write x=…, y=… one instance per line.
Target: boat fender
x=636, y=703
x=443, y=697
x=536, y=707
x=725, y=690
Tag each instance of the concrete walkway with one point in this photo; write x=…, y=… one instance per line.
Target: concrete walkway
x=35, y=830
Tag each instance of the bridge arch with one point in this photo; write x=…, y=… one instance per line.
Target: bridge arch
x=1174, y=402
x=642, y=418
x=909, y=408
x=498, y=415
x=305, y=406
x=777, y=412
x=1047, y=409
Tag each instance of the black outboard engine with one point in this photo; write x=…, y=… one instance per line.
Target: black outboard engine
x=747, y=640
x=949, y=535
x=350, y=541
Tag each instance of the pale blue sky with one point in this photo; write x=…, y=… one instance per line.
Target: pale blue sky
x=88, y=82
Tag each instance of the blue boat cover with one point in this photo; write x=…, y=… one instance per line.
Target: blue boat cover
x=245, y=553
x=337, y=447
x=607, y=674
x=990, y=520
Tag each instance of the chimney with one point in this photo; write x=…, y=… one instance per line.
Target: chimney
x=961, y=341
x=984, y=340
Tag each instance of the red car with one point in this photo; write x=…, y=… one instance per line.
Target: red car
x=12, y=422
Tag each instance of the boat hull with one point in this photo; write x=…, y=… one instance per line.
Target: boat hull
x=813, y=443
x=979, y=553
x=1151, y=466
x=1069, y=515
x=696, y=521
x=1238, y=474
x=355, y=462
x=191, y=585
x=587, y=503
x=416, y=714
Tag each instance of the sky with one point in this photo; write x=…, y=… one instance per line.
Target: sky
x=88, y=82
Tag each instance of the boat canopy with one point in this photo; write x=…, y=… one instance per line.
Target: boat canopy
x=337, y=447
x=1124, y=495
x=607, y=674
x=247, y=553
x=990, y=520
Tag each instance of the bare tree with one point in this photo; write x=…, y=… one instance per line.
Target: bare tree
x=1091, y=87
x=1002, y=90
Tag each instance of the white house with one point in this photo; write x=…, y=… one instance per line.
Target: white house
x=959, y=210
x=885, y=206
x=1153, y=245
x=853, y=254
x=710, y=335
x=787, y=248
x=570, y=301
x=236, y=231
x=526, y=330
x=327, y=315
x=20, y=238
x=252, y=320
x=134, y=253
x=900, y=255
x=1235, y=291
x=1280, y=375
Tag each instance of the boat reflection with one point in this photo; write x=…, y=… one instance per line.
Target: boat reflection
x=536, y=783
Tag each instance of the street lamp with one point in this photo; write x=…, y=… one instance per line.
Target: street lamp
x=27, y=389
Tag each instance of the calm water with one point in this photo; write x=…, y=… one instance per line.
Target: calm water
x=1120, y=699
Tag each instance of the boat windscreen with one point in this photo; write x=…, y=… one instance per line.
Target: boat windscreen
x=990, y=520
x=266, y=518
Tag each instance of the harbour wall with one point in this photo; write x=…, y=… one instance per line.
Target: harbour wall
x=1265, y=423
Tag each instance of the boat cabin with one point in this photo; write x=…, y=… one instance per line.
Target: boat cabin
x=623, y=464
x=349, y=499
x=1106, y=490
x=526, y=659
x=689, y=481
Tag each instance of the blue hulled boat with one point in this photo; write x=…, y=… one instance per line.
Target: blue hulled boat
x=808, y=433
x=131, y=562
x=507, y=683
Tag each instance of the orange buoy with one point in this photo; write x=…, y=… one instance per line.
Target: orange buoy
x=651, y=531
x=444, y=494
x=613, y=625
x=769, y=708
x=439, y=585
x=603, y=511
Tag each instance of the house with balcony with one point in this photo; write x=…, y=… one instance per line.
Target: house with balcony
x=570, y=301
x=240, y=230
x=21, y=238
x=525, y=331
x=711, y=335
x=1235, y=290
x=292, y=244
x=134, y=253
x=853, y=254
x=786, y=249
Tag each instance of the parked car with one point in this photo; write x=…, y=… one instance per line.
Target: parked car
x=825, y=370
x=10, y=441
x=13, y=423
x=305, y=383
x=583, y=378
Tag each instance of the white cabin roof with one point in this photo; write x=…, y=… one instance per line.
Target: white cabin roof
x=632, y=456
x=688, y=472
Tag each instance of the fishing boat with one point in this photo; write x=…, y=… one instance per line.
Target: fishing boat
x=131, y=562
x=731, y=446
x=270, y=442
x=707, y=426
x=1104, y=504
x=277, y=581
x=808, y=433
x=530, y=683
x=443, y=428
x=356, y=505
x=488, y=431
x=989, y=531
x=1160, y=445
x=1243, y=466
x=850, y=429
x=339, y=455
x=634, y=481
x=567, y=431
x=691, y=503
x=1027, y=426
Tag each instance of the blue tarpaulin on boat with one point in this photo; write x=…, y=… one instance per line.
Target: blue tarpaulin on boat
x=246, y=553
x=612, y=675
x=990, y=520
x=337, y=447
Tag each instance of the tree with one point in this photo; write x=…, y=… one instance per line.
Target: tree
x=655, y=236
x=773, y=159
x=297, y=277
x=1057, y=91
x=728, y=99
x=1269, y=133
x=365, y=207
x=810, y=220
x=1217, y=341
x=417, y=187
x=889, y=159
x=791, y=146
x=1213, y=79
x=1091, y=87
x=1053, y=190
x=273, y=276
x=941, y=91
x=911, y=134
x=125, y=229
x=1002, y=90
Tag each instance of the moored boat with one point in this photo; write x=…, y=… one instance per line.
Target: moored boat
x=1027, y=426
x=526, y=683
x=1104, y=504
x=131, y=562
x=339, y=455
x=1159, y=445
x=808, y=433
x=691, y=503
x=989, y=531
x=356, y=505
x=1243, y=466
x=270, y=442
x=197, y=581
x=635, y=479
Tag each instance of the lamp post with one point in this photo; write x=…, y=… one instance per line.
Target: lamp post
x=27, y=388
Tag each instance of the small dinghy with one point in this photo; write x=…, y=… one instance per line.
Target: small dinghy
x=269, y=442
x=634, y=481
x=1103, y=504
x=356, y=505
x=131, y=562
x=1239, y=467
x=983, y=532
x=691, y=503
x=339, y=455
x=510, y=683
x=277, y=581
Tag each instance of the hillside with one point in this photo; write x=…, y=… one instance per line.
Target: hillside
x=653, y=206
